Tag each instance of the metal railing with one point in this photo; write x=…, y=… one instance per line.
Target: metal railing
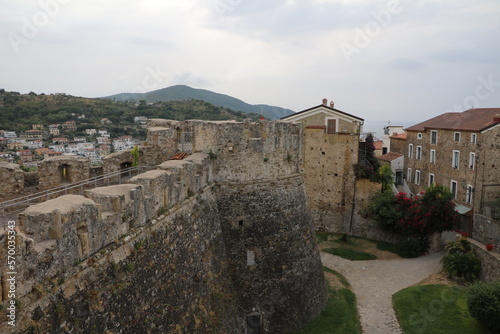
x=9, y=210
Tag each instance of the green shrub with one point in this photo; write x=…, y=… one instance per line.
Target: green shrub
x=414, y=246
x=384, y=209
x=461, y=260
x=483, y=301
x=433, y=211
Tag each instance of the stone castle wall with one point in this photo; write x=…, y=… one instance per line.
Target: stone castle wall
x=486, y=230
x=11, y=179
x=171, y=251
x=52, y=172
x=329, y=177
x=265, y=236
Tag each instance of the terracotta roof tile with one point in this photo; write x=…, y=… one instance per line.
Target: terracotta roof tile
x=469, y=120
x=378, y=145
x=402, y=136
x=179, y=156
x=389, y=156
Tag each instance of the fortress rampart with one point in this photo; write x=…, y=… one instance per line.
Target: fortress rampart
x=219, y=242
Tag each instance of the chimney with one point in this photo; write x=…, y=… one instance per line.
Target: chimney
x=496, y=119
x=331, y=104
x=325, y=102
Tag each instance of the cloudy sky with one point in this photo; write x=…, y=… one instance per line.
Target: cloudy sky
x=381, y=60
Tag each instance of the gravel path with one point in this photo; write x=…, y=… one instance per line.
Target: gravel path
x=374, y=283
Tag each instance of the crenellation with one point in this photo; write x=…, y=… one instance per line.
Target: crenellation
x=181, y=234
x=122, y=206
x=12, y=179
x=62, y=170
x=155, y=184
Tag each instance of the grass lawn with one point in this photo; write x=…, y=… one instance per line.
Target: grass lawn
x=340, y=315
x=435, y=309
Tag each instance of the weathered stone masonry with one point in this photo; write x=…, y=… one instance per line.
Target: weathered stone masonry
x=195, y=246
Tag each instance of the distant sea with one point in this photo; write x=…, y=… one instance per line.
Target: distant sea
x=377, y=127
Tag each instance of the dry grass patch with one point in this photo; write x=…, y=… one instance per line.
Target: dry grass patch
x=331, y=240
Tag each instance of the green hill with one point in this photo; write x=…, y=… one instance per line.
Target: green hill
x=18, y=112
x=182, y=92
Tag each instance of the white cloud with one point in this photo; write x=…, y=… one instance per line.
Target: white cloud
x=283, y=52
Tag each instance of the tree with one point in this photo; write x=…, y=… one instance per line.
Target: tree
x=135, y=156
x=370, y=149
x=385, y=176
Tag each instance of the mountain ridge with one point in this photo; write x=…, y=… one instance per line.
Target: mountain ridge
x=184, y=92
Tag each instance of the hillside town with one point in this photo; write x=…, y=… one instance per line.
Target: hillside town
x=43, y=141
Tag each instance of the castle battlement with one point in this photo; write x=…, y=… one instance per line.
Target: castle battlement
x=200, y=244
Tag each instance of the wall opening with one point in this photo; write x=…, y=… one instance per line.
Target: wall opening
x=251, y=258
x=64, y=173
x=399, y=178
x=124, y=166
x=254, y=323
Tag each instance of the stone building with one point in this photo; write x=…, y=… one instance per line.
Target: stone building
x=397, y=162
x=462, y=152
x=331, y=141
x=219, y=242
x=59, y=170
x=398, y=143
x=390, y=130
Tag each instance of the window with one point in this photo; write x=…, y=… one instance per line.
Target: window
x=419, y=153
x=408, y=175
x=417, y=177
x=470, y=190
x=472, y=160
x=456, y=136
x=433, y=156
x=410, y=151
x=453, y=188
x=455, y=159
x=331, y=126
x=250, y=258
x=473, y=138
x=434, y=137
x=419, y=135
x=254, y=323
x=431, y=179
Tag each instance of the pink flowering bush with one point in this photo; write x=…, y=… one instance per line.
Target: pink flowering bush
x=433, y=211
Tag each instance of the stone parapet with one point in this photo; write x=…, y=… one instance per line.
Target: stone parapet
x=196, y=245
x=490, y=261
